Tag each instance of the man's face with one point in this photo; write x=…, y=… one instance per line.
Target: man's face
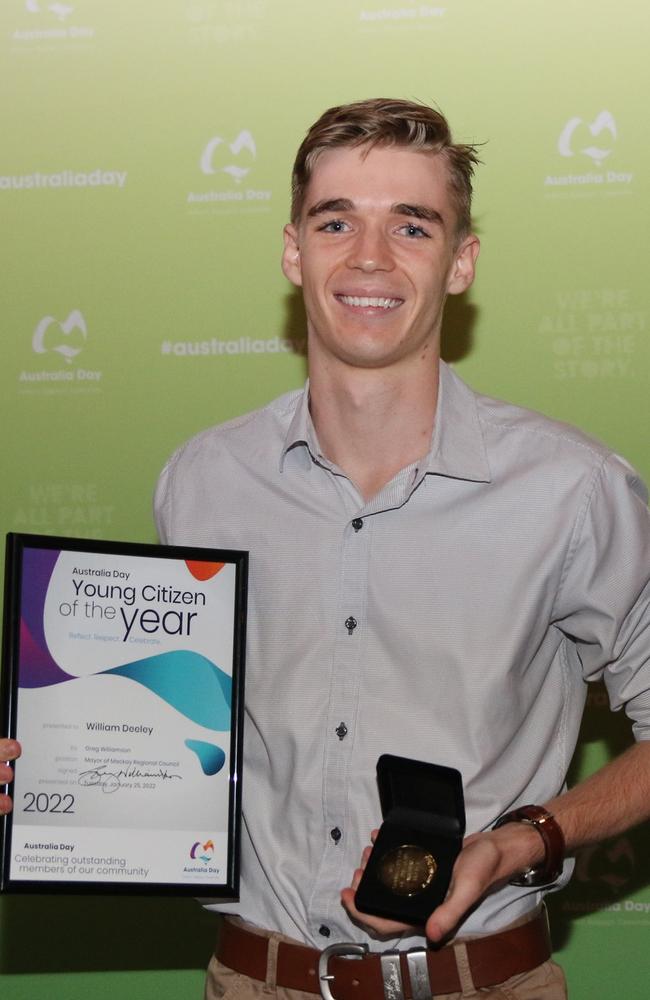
x=376, y=253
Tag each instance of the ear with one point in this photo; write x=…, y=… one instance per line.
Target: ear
x=463, y=269
x=291, y=255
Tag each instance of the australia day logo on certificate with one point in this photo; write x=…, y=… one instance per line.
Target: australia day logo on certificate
x=203, y=853
x=126, y=705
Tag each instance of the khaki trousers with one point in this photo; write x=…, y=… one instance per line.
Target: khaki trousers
x=546, y=982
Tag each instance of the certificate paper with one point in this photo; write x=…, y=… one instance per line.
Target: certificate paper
x=123, y=681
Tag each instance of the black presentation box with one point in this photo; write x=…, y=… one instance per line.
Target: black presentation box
x=409, y=869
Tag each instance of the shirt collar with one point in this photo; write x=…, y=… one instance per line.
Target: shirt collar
x=457, y=447
x=301, y=437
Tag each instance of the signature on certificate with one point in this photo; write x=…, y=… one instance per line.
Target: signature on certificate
x=109, y=781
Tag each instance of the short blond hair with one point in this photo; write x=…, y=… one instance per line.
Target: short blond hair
x=388, y=122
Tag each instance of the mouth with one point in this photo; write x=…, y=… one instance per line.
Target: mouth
x=369, y=302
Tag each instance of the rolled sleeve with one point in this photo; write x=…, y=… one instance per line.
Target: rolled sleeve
x=603, y=604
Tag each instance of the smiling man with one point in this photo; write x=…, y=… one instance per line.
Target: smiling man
x=377, y=243
x=434, y=574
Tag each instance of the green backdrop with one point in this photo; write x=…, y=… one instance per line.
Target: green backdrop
x=143, y=186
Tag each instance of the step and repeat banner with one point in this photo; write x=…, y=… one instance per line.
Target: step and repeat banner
x=144, y=183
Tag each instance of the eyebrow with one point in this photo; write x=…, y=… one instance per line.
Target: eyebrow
x=345, y=205
x=419, y=212
x=331, y=205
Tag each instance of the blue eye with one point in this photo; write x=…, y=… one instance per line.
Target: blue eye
x=414, y=231
x=335, y=226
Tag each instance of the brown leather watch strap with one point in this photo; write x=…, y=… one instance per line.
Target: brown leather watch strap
x=549, y=830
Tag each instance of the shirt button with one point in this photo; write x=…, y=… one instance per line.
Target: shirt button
x=336, y=834
x=341, y=730
x=324, y=930
x=357, y=524
x=350, y=624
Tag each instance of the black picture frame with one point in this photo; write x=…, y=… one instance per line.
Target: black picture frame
x=175, y=681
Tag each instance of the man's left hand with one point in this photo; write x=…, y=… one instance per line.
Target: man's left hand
x=486, y=861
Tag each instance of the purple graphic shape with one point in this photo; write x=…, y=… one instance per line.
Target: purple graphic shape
x=38, y=566
x=37, y=668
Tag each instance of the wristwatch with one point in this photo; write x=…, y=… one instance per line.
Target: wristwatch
x=549, y=830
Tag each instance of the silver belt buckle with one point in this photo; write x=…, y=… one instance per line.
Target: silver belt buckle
x=416, y=961
x=391, y=974
x=345, y=948
x=418, y=970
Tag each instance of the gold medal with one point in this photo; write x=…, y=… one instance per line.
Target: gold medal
x=407, y=870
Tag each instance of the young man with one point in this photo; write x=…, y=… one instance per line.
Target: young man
x=433, y=574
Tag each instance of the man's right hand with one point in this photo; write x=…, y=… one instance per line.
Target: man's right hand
x=9, y=750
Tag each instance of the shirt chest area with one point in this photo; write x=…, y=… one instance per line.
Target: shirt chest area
x=442, y=577
x=446, y=541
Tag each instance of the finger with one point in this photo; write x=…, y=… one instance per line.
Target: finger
x=472, y=876
x=379, y=926
x=5, y=805
x=449, y=914
x=6, y=773
x=9, y=750
x=356, y=878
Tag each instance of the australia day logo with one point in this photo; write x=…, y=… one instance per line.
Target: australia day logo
x=62, y=337
x=237, y=170
x=602, y=125
x=202, y=852
x=203, y=857
x=589, y=149
x=609, y=880
x=63, y=341
x=51, y=22
x=225, y=163
x=59, y=10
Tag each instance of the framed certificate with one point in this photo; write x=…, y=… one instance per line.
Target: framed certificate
x=123, y=672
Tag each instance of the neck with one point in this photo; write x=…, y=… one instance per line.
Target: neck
x=374, y=422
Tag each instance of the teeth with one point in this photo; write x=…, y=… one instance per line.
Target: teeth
x=365, y=301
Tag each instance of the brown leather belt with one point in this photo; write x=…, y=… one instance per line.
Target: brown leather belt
x=492, y=959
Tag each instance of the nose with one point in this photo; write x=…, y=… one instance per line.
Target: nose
x=370, y=251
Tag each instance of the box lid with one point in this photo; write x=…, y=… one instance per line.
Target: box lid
x=416, y=786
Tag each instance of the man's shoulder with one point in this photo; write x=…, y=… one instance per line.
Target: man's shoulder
x=519, y=426
x=553, y=455
x=220, y=469
x=248, y=433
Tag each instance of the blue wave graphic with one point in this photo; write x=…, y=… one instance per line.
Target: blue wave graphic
x=211, y=757
x=187, y=681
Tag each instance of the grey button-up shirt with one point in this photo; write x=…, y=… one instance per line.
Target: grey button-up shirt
x=454, y=618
